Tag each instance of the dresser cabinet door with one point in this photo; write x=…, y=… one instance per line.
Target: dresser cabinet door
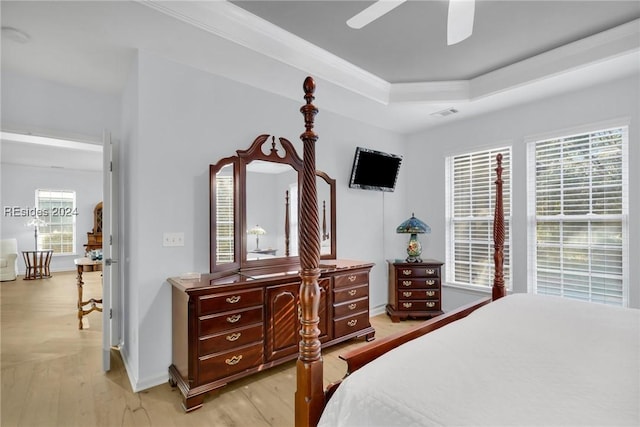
x=282, y=321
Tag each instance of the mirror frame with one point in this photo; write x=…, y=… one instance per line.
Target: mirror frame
x=257, y=152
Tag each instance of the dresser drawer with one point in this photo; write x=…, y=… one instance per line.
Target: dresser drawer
x=231, y=362
x=348, y=294
x=418, y=294
x=230, y=339
x=350, y=307
x=418, y=305
x=346, y=325
x=353, y=279
x=418, y=272
x=230, y=320
x=418, y=283
x=227, y=301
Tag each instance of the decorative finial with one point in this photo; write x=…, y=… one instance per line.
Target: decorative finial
x=309, y=110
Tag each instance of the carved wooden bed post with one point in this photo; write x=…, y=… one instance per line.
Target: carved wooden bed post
x=498, y=290
x=309, y=397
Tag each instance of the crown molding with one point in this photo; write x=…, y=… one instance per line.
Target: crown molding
x=235, y=24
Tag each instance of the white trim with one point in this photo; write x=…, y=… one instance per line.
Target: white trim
x=532, y=218
x=235, y=24
x=51, y=142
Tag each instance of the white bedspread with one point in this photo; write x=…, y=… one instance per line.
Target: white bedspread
x=522, y=360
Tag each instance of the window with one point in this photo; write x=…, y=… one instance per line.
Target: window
x=470, y=207
x=59, y=212
x=578, y=216
x=225, y=230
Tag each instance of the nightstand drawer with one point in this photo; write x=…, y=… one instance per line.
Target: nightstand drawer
x=346, y=325
x=350, y=307
x=418, y=305
x=418, y=294
x=230, y=301
x=231, y=362
x=229, y=320
x=418, y=283
x=353, y=279
x=418, y=272
x=348, y=294
x=230, y=339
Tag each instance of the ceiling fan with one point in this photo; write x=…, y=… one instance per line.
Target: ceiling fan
x=459, y=22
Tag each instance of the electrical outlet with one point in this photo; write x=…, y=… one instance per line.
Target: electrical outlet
x=173, y=239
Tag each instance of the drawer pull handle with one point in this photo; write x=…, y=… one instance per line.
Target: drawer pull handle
x=407, y=304
x=406, y=272
x=352, y=306
x=234, y=299
x=431, y=304
x=352, y=278
x=430, y=271
x=352, y=292
x=352, y=322
x=234, y=360
x=234, y=318
x=406, y=283
x=407, y=294
x=430, y=282
x=233, y=337
x=430, y=293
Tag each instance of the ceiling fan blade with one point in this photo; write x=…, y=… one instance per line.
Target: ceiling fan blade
x=373, y=12
x=460, y=20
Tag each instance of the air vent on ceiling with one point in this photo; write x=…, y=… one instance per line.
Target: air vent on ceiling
x=445, y=113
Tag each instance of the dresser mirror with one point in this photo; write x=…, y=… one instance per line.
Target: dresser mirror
x=254, y=207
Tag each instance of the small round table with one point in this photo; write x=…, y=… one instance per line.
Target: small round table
x=37, y=264
x=80, y=264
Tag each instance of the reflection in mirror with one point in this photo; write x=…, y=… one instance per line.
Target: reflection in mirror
x=225, y=215
x=268, y=185
x=326, y=191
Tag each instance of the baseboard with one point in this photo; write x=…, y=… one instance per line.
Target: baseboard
x=137, y=384
x=381, y=309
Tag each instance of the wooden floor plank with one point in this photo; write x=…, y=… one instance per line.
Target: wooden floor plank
x=51, y=372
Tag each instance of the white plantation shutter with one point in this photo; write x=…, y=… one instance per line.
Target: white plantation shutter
x=470, y=206
x=578, y=205
x=225, y=231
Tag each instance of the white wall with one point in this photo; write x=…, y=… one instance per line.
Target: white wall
x=597, y=104
x=41, y=107
x=178, y=121
x=18, y=189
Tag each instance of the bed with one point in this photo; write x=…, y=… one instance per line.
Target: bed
x=506, y=360
x=554, y=362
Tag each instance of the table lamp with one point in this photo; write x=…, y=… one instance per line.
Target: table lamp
x=413, y=226
x=258, y=231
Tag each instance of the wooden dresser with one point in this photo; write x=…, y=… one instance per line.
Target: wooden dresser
x=226, y=327
x=414, y=289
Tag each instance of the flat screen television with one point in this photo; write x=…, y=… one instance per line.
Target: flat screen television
x=374, y=170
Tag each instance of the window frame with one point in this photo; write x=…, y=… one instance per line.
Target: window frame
x=451, y=221
x=589, y=218
x=53, y=208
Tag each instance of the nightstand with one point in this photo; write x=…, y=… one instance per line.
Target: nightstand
x=414, y=289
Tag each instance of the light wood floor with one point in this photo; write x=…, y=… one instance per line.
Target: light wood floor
x=52, y=374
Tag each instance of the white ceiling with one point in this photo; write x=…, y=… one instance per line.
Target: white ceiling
x=394, y=73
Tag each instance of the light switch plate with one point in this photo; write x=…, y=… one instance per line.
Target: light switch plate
x=173, y=239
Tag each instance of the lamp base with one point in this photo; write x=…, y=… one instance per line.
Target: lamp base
x=414, y=249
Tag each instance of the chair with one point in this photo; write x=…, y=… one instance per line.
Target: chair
x=8, y=259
